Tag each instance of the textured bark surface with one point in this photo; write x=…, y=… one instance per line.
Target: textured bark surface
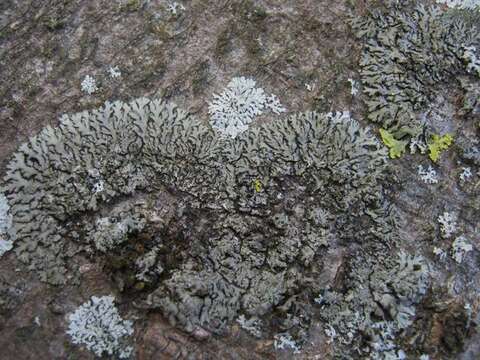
x=288, y=47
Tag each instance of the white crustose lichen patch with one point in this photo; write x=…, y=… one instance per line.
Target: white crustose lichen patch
x=466, y=174
x=175, y=8
x=89, y=85
x=427, y=175
x=114, y=72
x=448, y=224
x=97, y=325
x=285, y=341
x=239, y=104
x=353, y=87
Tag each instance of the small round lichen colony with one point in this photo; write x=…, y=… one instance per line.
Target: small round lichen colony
x=208, y=229
x=98, y=326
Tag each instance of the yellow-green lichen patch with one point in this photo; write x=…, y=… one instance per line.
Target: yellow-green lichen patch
x=396, y=147
x=257, y=185
x=437, y=144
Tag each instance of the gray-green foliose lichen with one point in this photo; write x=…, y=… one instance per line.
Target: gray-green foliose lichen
x=92, y=158
x=253, y=219
x=409, y=52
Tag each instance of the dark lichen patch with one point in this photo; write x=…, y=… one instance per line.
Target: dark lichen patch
x=456, y=325
x=25, y=333
x=131, y=6
x=224, y=40
x=162, y=31
x=88, y=45
x=249, y=12
x=10, y=298
x=54, y=23
x=443, y=328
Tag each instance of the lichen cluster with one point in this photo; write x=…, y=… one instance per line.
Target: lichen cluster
x=380, y=303
x=239, y=104
x=98, y=326
x=211, y=228
x=409, y=52
x=92, y=158
x=256, y=224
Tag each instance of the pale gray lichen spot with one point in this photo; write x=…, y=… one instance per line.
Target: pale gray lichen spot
x=114, y=72
x=6, y=242
x=175, y=8
x=466, y=174
x=285, y=341
x=440, y=253
x=428, y=175
x=97, y=325
x=89, y=85
x=5, y=245
x=109, y=232
x=252, y=325
x=354, y=87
